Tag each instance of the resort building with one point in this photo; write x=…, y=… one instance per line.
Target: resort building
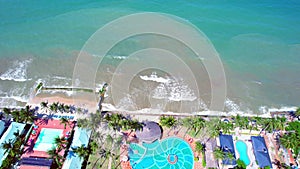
x=227, y=146
x=151, y=131
x=14, y=127
x=261, y=151
x=41, y=139
x=2, y=127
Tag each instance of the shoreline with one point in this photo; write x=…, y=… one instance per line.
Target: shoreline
x=92, y=106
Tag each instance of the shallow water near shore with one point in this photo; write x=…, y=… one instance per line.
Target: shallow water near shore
x=258, y=42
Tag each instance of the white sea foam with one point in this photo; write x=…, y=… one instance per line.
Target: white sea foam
x=174, y=91
x=231, y=106
x=18, y=71
x=180, y=92
x=126, y=103
x=153, y=77
x=159, y=112
x=282, y=109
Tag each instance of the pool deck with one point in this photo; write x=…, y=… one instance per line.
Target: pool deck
x=250, y=152
x=52, y=124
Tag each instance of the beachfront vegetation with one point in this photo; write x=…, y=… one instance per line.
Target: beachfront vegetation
x=168, y=121
x=14, y=150
x=65, y=122
x=57, y=158
x=297, y=114
x=23, y=115
x=240, y=164
x=55, y=152
x=218, y=153
x=109, y=140
x=200, y=148
x=290, y=140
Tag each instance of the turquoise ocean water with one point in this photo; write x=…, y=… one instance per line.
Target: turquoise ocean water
x=258, y=42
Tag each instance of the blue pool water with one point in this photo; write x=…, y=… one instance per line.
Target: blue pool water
x=242, y=150
x=170, y=153
x=45, y=140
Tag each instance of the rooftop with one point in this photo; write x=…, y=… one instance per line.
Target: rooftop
x=150, y=132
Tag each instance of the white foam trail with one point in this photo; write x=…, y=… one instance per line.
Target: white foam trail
x=68, y=93
x=17, y=98
x=257, y=82
x=153, y=77
x=18, y=72
x=119, y=57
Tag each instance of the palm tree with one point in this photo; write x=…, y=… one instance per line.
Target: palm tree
x=44, y=104
x=271, y=125
x=186, y=122
x=52, y=152
x=200, y=148
x=7, y=111
x=59, y=142
x=289, y=141
x=241, y=122
x=64, y=121
x=114, y=121
x=240, y=164
x=27, y=114
x=17, y=116
x=198, y=124
x=230, y=156
x=136, y=125
x=54, y=107
x=226, y=127
x=218, y=154
x=93, y=147
x=281, y=123
x=7, y=145
x=81, y=151
x=168, y=121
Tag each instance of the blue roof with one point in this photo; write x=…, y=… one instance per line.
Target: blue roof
x=261, y=151
x=31, y=161
x=81, y=137
x=226, y=142
x=9, y=135
x=2, y=126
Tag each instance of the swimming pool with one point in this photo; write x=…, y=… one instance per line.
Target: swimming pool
x=46, y=137
x=241, y=147
x=170, y=153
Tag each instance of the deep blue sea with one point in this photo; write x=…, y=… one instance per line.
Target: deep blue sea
x=258, y=42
